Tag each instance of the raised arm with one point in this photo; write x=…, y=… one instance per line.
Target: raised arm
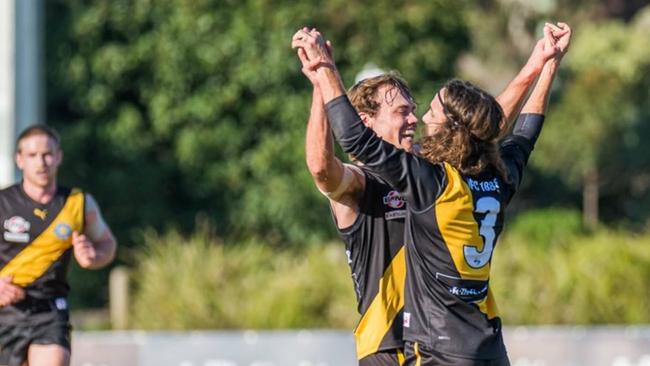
x=514, y=95
x=538, y=100
x=384, y=159
x=341, y=183
x=517, y=147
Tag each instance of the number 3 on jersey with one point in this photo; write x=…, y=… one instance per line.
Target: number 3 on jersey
x=490, y=206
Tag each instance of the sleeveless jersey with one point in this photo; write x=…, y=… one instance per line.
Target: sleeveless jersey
x=374, y=246
x=35, y=246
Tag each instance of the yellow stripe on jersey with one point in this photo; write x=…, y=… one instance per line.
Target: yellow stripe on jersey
x=455, y=216
x=458, y=228
x=381, y=313
x=400, y=357
x=45, y=249
x=488, y=305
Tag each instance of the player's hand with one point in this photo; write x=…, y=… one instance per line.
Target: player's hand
x=309, y=67
x=561, y=32
x=10, y=293
x=545, y=49
x=317, y=51
x=84, y=250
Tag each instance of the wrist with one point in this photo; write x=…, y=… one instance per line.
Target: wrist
x=329, y=83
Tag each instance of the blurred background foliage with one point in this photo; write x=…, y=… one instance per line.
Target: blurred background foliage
x=185, y=115
x=560, y=276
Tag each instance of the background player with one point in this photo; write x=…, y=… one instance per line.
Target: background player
x=44, y=224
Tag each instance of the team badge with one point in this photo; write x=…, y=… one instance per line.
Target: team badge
x=63, y=231
x=16, y=230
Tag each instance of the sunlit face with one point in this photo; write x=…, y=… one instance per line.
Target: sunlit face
x=395, y=121
x=39, y=157
x=435, y=117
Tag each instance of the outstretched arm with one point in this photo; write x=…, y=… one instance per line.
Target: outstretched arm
x=514, y=95
x=538, y=100
x=516, y=148
x=397, y=167
x=341, y=183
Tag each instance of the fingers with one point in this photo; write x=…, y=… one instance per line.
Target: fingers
x=10, y=293
x=300, y=37
x=564, y=26
x=549, y=39
x=553, y=27
x=79, y=239
x=558, y=30
x=562, y=34
x=302, y=55
x=330, y=50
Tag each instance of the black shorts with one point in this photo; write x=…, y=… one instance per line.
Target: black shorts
x=393, y=357
x=417, y=355
x=32, y=322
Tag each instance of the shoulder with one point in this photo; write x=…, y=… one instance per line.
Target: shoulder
x=12, y=189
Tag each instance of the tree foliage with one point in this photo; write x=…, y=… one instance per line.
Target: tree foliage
x=173, y=110
x=600, y=121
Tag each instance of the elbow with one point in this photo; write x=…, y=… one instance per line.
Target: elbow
x=318, y=170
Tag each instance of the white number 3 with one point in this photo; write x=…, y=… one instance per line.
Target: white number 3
x=491, y=207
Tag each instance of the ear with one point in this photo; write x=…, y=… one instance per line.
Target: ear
x=366, y=119
x=19, y=161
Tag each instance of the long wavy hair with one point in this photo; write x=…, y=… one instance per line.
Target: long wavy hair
x=469, y=139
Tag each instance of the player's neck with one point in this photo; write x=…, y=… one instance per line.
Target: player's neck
x=40, y=194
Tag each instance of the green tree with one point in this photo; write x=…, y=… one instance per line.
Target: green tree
x=173, y=111
x=174, y=108
x=607, y=100
x=594, y=138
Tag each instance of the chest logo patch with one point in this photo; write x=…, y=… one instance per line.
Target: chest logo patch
x=394, y=200
x=16, y=230
x=63, y=231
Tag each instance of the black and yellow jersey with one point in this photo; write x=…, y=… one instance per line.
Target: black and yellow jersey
x=35, y=246
x=453, y=222
x=374, y=246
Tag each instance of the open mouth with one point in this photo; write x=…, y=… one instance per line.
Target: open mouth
x=408, y=134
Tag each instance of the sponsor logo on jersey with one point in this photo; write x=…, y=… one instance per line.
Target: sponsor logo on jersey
x=42, y=214
x=17, y=230
x=407, y=320
x=394, y=200
x=394, y=215
x=63, y=231
x=61, y=303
